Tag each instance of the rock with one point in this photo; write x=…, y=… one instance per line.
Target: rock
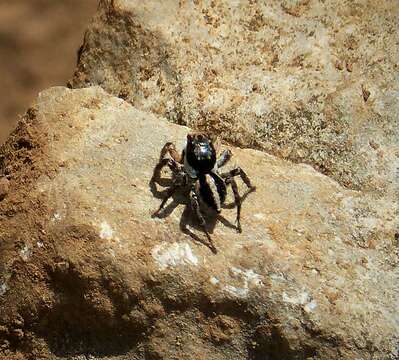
x=4, y=187
x=264, y=75
x=87, y=271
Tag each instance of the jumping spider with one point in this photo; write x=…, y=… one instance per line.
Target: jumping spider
x=198, y=169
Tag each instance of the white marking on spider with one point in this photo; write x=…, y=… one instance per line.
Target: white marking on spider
x=171, y=255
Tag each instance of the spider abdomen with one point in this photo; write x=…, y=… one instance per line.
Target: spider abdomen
x=212, y=190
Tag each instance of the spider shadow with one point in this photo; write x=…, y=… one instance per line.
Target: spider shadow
x=232, y=205
x=177, y=198
x=188, y=218
x=164, y=182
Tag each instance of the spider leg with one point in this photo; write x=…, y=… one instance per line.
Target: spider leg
x=224, y=158
x=179, y=179
x=194, y=199
x=237, y=201
x=229, y=180
x=239, y=172
x=169, y=194
x=172, y=164
x=170, y=148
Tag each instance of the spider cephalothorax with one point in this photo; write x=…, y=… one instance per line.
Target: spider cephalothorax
x=199, y=153
x=198, y=169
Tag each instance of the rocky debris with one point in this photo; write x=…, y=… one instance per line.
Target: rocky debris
x=280, y=76
x=4, y=187
x=87, y=272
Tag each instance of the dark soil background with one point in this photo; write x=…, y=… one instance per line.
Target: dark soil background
x=38, y=44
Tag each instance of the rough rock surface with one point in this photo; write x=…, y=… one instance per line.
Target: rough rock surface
x=307, y=80
x=87, y=273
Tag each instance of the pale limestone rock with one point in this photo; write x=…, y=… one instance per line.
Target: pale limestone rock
x=287, y=77
x=313, y=275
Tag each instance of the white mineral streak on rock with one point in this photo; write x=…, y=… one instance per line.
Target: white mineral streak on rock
x=297, y=299
x=3, y=288
x=259, y=216
x=106, y=231
x=56, y=217
x=248, y=278
x=302, y=298
x=214, y=280
x=173, y=255
x=236, y=291
x=260, y=106
x=25, y=253
x=309, y=307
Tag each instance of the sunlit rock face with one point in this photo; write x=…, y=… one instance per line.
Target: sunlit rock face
x=314, y=82
x=86, y=271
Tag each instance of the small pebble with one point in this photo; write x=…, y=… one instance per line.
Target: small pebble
x=339, y=65
x=349, y=66
x=366, y=94
x=373, y=144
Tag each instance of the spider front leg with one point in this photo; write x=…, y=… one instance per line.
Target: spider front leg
x=239, y=172
x=224, y=158
x=170, y=148
x=229, y=180
x=194, y=199
x=169, y=193
x=237, y=201
x=179, y=180
x=173, y=162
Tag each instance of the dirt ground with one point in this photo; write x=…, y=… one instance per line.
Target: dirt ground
x=38, y=44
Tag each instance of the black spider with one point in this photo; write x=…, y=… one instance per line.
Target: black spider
x=197, y=168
